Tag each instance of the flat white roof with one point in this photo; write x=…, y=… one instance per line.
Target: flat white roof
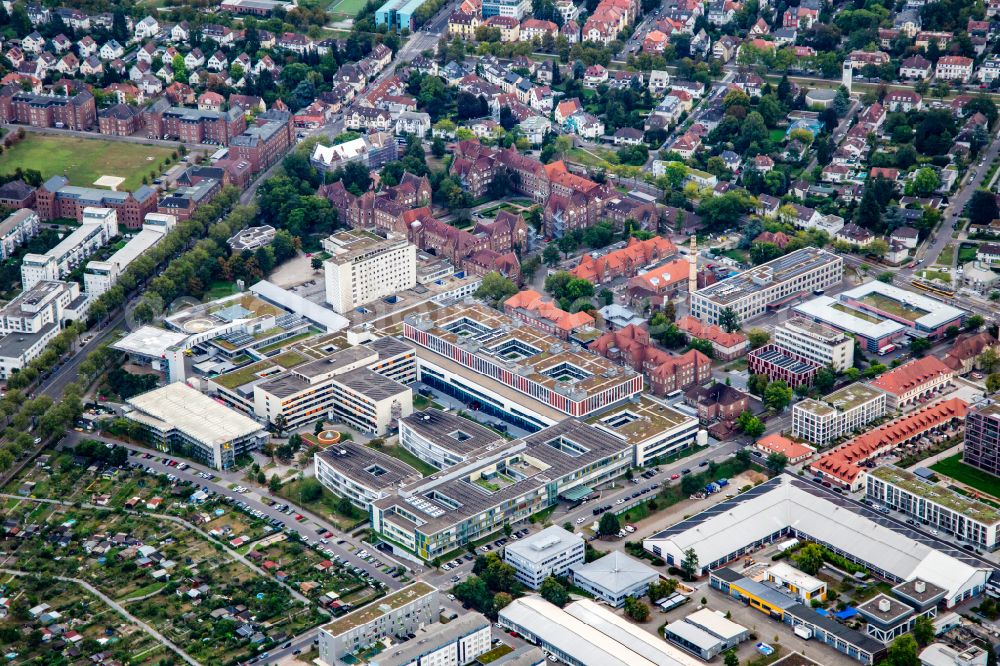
x=938, y=314
x=137, y=245
x=195, y=414
x=303, y=307
x=716, y=623
x=790, y=574
x=149, y=341
x=821, y=309
x=538, y=547
x=781, y=503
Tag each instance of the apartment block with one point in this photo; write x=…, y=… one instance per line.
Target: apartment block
x=815, y=342
x=768, y=286
x=840, y=413
x=32, y=319
x=16, y=229
x=266, y=141
x=550, y=552
x=914, y=382
x=366, y=267
x=400, y=613
x=99, y=276
x=77, y=112
x=99, y=226
x=359, y=473
x=965, y=518
x=193, y=125
x=982, y=438
x=456, y=643
x=778, y=365
x=57, y=198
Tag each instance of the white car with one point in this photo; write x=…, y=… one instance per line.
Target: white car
x=451, y=597
x=579, y=521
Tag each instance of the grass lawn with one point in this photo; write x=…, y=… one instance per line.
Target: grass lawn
x=220, y=289
x=592, y=157
x=935, y=275
x=966, y=253
x=347, y=7
x=954, y=468
x=776, y=135
x=737, y=255
x=399, y=453
x=83, y=161
x=946, y=256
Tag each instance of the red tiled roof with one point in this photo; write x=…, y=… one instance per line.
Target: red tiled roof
x=911, y=375
x=775, y=443
x=844, y=462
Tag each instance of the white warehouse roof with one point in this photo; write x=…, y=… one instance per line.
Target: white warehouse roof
x=193, y=413
x=150, y=341
x=789, y=502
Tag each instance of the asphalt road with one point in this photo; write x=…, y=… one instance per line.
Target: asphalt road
x=308, y=529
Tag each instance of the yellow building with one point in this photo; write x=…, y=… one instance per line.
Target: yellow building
x=463, y=25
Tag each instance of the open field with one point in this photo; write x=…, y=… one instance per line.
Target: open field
x=954, y=468
x=83, y=161
x=346, y=7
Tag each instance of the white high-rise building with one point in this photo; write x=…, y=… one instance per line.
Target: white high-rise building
x=99, y=276
x=815, y=342
x=366, y=267
x=551, y=552
x=99, y=226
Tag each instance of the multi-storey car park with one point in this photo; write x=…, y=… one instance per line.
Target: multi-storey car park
x=837, y=414
x=879, y=314
x=969, y=520
x=753, y=292
x=447, y=510
x=559, y=375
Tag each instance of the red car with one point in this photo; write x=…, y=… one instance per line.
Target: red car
x=674, y=476
x=299, y=516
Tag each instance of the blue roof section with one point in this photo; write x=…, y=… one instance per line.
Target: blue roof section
x=846, y=614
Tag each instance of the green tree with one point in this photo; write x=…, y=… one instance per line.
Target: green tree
x=919, y=346
x=729, y=320
x=974, y=322
x=809, y=558
x=609, y=525
x=689, y=565
x=635, y=609
x=988, y=360
x=495, y=288
x=825, y=379
x=730, y=658
x=993, y=383
x=750, y=425
x=554, y=592
x=983, y=207
x=885, y=276
x=925, y=182
x=776, y=462
x=550, y=255
x=923, y=630
x=903, y=652
x=777, y=395
x=758, y=337
x=274, y=483
x=310, y=490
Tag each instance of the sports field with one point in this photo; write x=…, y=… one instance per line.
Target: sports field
x=83, y=161
x=346, y=7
